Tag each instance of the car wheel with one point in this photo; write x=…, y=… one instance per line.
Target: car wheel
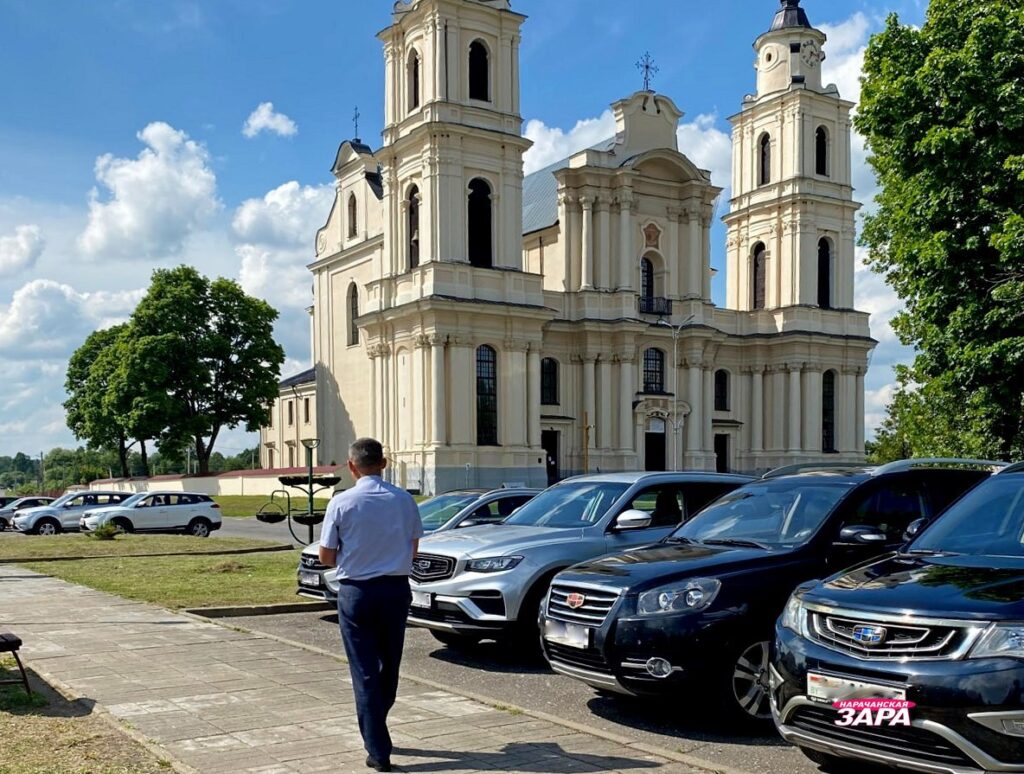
x=3, y=524
x=198, y=528
x=829, y=763
x=47, y=527
x=455, y=641
x=122, y=525
x=748, y=681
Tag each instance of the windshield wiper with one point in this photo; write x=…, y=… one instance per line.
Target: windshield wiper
x=739, y=542
x=927, y=552
x=679, y=539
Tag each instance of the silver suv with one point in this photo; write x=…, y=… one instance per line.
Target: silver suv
x=64, y=513
x=488, y=582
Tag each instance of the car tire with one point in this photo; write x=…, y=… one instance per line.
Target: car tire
x=455, y=641
x=3, y=524
x=832, y=764
x=198, y=527
x=122, y=525
x=527, y=630
x=47, y=527
x=746, y=695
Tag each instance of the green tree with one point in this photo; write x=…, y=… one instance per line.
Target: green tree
x=942, y=109
x=202, y=356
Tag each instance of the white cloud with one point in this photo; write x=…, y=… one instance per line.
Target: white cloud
x=157, y=200
x=708, y=147
x=21, y=250
x=288, y=215
x=551, y=144
x=265, y=119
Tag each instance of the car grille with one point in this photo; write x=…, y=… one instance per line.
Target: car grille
x=884, y=639
x=589, y=659
x=311, y=563
x=893, y=740
x=589, y=607
x=431, y=567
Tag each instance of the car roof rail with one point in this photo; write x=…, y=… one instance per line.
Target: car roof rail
x=901, y=466
x=805, y=467
x=1016, y=467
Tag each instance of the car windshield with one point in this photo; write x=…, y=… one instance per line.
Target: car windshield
x=578, y=504
x=779, y=513
x=133, y=499
x=63, y=499
x=438, y=511
x=988, y=521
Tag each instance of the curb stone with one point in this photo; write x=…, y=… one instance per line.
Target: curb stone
x=223, y=552
x=641, y=747
x=241, y=611
x=56, y=685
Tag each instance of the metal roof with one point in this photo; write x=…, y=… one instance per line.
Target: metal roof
x=790, y=16
x=306, y=377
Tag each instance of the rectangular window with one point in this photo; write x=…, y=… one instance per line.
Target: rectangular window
x=305, y=410
x=291, y=413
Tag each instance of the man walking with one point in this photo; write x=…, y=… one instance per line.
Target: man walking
x=371, y=533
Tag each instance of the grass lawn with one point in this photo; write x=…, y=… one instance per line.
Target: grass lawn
x=48, y=734
x=241, y=506
x=186, y=581
x=42, y=547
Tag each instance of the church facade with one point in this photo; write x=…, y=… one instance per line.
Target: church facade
x=490, y=328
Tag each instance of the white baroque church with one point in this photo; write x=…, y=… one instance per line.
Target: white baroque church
x=490, y=328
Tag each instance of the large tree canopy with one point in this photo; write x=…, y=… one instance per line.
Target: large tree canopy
x=942, y=108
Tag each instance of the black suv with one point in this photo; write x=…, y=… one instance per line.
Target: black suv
x=939, y=624
x=701, y=604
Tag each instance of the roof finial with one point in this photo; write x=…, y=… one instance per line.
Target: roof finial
x=355, y=123
x=648, y=68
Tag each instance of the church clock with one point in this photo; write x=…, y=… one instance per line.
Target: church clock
x=811, y=54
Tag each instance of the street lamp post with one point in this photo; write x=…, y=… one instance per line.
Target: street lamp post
x=310, y=444
x=676, y=330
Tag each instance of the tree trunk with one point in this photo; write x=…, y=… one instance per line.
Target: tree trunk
x=122, y=456
x=145, y=457
x=202, y=456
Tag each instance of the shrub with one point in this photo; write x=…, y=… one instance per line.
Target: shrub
x=105, y=531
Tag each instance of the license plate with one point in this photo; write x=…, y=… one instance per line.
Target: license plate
x=828, y=689
x=310, y=579
x=422, y=599
x=568, y=634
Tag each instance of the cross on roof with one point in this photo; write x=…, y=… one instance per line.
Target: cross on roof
x=355, y=122
x=648, y=68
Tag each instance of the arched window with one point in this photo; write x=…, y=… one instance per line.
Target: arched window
x=414, y=80
x=821, y=151
x=549, y=382
x=824, y=274
x=828, y=412
x=721, y=390
x=760, y=274
x=352, y=228
x=764, y=157
x=486, y=396
x=413, y=227
x=479, y=75
x=479, y=220
x=646, y=278
x=353, y=314
x=654, y=370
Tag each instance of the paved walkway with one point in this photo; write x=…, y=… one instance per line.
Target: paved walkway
x=220, y=700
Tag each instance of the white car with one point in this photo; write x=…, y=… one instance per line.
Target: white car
x=190, y=512
x=64, y=513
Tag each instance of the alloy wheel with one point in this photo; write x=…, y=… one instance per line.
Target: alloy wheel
x=47, y=528
x=750, y=686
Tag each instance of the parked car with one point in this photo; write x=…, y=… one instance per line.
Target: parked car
x=193, y=513
x=700, y=606
x=8, y=510
x=488, y=582
x=939, y=624
x=64, y=513
x=6, y=500
x=450, y=510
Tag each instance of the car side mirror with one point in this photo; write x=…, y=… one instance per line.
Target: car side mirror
x=632, y=519
x=914, y=529
x=467, y=523
x=862, y=535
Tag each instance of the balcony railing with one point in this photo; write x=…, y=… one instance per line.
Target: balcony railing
x=655, y=305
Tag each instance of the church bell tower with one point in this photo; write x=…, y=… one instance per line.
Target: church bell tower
x=791, y=225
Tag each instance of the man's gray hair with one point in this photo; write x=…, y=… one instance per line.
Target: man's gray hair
x=366, y=453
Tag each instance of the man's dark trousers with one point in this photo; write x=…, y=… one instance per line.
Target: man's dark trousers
x=371, y=614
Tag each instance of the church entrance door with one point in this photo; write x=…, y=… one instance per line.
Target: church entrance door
x=549, y=441
x=654, y=445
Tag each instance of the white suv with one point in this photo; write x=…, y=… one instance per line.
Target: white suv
x=189, y=512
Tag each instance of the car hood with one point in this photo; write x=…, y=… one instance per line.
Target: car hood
x=99, y=509
x=936, y=586
x=39, y=510
x=659, y=563
x=313, y=549
x=496, y=540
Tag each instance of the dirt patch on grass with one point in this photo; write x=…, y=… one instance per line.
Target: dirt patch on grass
x=228, y=566
x=46, y=734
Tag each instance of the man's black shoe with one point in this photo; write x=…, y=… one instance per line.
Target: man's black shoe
x=377, y=765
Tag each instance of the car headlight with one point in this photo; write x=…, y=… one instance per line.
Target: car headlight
x=1000, y=641
x=794, y=617
x=493, y=563
x=684, y=597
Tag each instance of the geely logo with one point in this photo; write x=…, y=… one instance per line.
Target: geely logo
x=575, y=600
x=869, y=635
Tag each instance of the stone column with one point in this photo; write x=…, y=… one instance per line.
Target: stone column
x=812, y=410
x=512, y=392
x=673, y=253
x=461, y=379
x=604, y=421
x=533, y=396
x=566, y=240
x=847, y=409
x=418, y=398
x=695, y=260
x=626, y=238
x=859, y=403
x=778, y=409
x=604, y=247
x=709, y=408
x=439, y=394
x=695, y=422
x=588, y=398
x=371, y=350
x=756, y=409
x=627, y=431
x=587, y=257
x=795, y=407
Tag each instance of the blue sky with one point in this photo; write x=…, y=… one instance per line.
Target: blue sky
x=122, y=146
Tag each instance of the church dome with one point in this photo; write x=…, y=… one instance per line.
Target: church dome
x=790, y=16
